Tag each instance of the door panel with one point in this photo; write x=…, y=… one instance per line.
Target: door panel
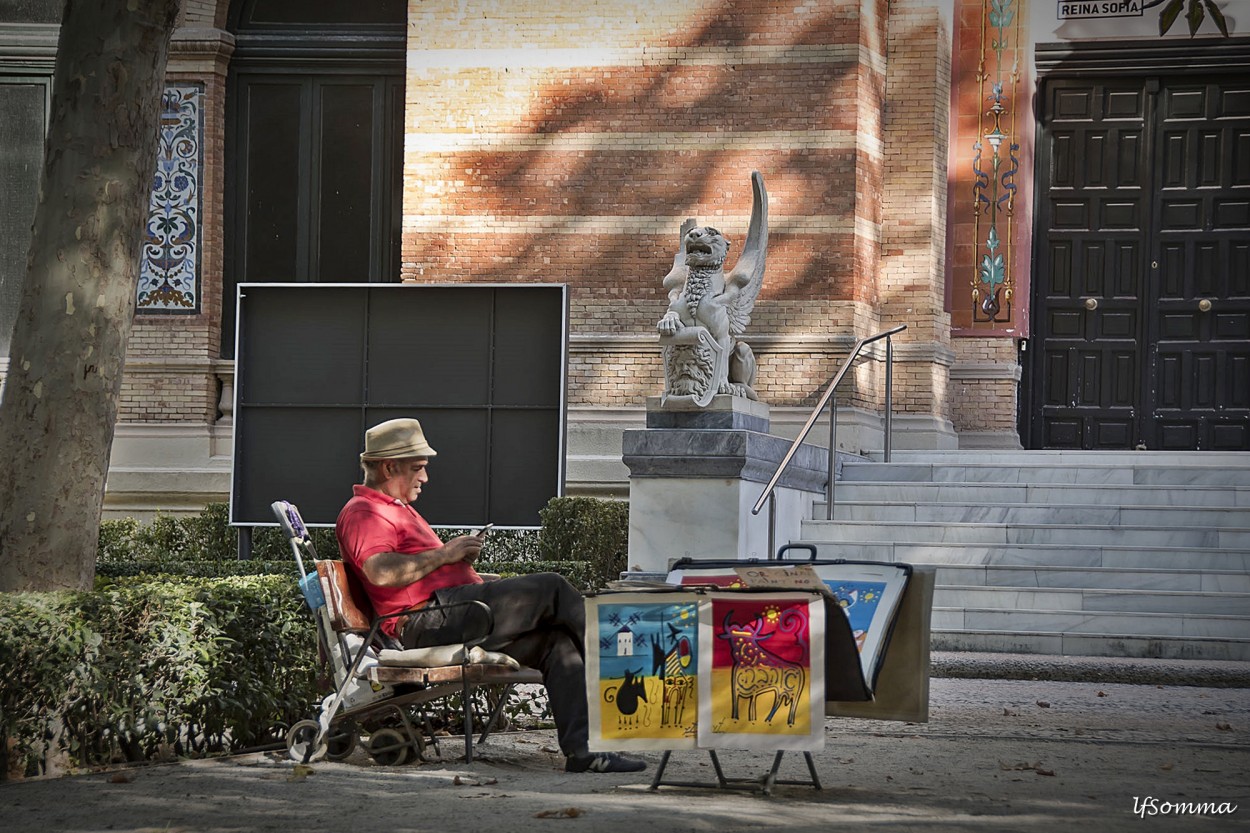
x=1090, y=305
x=1142, y=313
x=316, y=185
x=314, y=144
x=1201, y=310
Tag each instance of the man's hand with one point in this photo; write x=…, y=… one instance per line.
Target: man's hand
x=466, y=548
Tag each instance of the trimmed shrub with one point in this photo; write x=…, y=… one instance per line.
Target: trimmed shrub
x=182, y=649
x=588, y=530
x=199, y=569
x=207, y=537
x=152, y=668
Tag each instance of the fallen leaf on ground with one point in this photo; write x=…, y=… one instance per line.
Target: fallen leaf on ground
x=1166, y=767
x=1224, y=727
x=473, y=782
x=1102, y=694
x=120, y=778
x=1041, y=771
x=563, y=813
x=1010, y=713
x=1043, y=704
x=300, y=772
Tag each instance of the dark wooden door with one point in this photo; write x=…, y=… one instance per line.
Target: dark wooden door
x=1200, y=345
x=314, y=144
x=1142, y=311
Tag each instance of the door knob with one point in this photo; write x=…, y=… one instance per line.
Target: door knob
x=1204, y=305
x=1091, y=303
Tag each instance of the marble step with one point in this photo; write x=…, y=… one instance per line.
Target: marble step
x=1004, y=472
x=1026, y=599
x=1219, y=459
x=1089, y=495
x=1065, y=514
x=1093, y=578
x=1032, y=555
x=1092, y=645
x=996, y=533
x=1091, y=622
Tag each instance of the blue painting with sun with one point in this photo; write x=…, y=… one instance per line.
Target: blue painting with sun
x=858, y=600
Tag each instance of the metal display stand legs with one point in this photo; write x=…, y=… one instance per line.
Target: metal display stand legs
x=764, y=783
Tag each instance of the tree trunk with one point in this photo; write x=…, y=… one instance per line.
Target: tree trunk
x=78, y=299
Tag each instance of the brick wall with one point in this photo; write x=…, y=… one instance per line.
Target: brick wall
x=567, y=143
x=571, y=141
x=984, y=385
x=913, y=205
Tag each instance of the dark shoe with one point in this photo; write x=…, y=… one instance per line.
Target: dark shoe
x=603, y=762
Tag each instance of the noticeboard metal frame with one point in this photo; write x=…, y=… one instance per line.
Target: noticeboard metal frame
x=556, y=489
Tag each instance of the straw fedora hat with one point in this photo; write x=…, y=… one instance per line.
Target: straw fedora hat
x=395, y=439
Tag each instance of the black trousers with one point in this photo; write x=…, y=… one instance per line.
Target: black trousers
x=539, y=620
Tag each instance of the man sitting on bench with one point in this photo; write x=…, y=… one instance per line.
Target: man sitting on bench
x=402, y=564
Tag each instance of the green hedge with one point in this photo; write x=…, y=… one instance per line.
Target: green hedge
x=589, y=530
x=182, y=649
x=579, y=573
x=150, y=668
x=204, y=537
x=584, y=539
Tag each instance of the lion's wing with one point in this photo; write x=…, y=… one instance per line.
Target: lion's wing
x=748, y=273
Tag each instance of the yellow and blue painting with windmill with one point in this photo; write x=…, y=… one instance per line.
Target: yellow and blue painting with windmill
x=648, y=670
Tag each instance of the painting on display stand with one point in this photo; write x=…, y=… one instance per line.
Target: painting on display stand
x=761, y=671
x=642, y=667
x=868, y=593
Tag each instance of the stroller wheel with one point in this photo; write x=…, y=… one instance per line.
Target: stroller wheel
x=388, y=747
x=300, y=740
x=342, y=741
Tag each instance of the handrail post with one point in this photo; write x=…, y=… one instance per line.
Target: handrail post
x=772, y=526
x=833, y=455
x=819, y=406
x=889, y=394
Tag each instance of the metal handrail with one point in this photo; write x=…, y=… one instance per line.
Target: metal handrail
x=826, y=397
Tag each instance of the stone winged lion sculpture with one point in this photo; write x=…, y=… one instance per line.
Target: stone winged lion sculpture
x=707, y=309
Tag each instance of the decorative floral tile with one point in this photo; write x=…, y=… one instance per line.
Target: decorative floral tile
x=169, y=272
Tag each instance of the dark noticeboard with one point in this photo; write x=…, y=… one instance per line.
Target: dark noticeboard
x=482, y=368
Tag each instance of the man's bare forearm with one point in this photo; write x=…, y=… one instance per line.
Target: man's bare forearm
x=397, y=569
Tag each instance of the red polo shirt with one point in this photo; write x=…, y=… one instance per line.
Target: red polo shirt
x=371, y=523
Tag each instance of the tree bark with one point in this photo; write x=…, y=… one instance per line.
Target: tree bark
x=78, y=298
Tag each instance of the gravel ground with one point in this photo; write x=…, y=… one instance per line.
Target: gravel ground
x=997, y=755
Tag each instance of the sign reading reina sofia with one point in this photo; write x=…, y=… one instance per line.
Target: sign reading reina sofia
x=1077, y=9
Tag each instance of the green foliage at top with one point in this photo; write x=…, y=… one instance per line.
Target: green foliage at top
x=589, y=530
x=583, y=539
x=207, y=537
x=1195, y=11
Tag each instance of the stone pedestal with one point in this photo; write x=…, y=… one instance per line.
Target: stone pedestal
x=695, y=474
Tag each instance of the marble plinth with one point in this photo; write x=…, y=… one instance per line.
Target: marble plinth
x=692, y=486
x=723, y=412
